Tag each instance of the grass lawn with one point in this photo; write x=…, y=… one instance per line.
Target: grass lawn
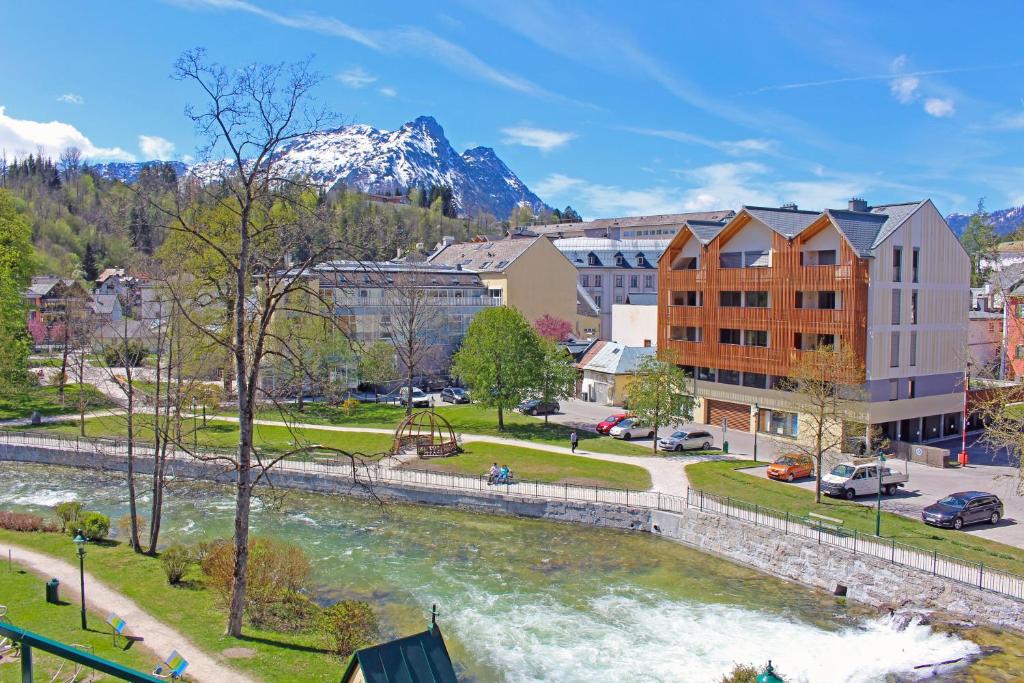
x=225, y=434
x=20, y=402
x=469, y=419
x=22, y=593
x=532, y=465
x=193, y=609
x=721, y=477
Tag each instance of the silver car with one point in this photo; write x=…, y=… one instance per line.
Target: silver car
x=686, y=441
x=631, y=429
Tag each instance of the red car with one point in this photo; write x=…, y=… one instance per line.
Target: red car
x=611, y=421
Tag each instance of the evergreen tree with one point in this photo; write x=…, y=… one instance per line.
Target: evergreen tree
x=979, y=240
x=569, y=215
x=90, y=268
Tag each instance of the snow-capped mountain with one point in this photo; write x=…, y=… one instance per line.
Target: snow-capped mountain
x=1005, y=221
x=128, y=172
x=380, y=161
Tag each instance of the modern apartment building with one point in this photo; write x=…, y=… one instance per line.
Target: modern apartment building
x=654, y=227
x=740, y=300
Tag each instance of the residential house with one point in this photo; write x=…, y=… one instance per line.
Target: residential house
x=105, y=308
x=127, y=288
x=1005, y=254
x=739, y=304
x=985, y=341
x=608, y=368
x=1012, y=363
x=526, y=272
x=635, y=322
x=52, y=302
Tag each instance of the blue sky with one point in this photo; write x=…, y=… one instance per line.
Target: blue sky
x=616, y=108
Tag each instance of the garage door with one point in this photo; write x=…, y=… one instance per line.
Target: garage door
x=738, y=415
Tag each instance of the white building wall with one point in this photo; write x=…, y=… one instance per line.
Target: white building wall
x=754, y=235
x=634, y=325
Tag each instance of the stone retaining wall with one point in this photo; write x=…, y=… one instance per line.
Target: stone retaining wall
x=869, y=580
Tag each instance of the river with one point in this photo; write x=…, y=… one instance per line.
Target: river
x=527, y=600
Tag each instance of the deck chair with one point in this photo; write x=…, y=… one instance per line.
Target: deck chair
x=172, y=667
x=117, y=625
x=9, y=648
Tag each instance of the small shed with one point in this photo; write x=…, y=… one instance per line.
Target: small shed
x=420, y=658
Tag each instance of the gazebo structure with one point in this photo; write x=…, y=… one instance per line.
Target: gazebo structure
x=428, y=432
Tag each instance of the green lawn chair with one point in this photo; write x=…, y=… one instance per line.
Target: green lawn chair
x=172, y=667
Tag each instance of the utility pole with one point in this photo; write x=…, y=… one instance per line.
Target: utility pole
x=878, y=509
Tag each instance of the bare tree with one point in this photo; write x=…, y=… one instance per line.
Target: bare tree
x=826, y=385
x=70, y=162
x=410, y=320
x=259, y=229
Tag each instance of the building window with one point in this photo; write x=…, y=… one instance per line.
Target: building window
x=897, y=264
x=757, y=259
x=730, y=259
x=729, y=299
x=618, y=281
x=585, y=280
x=894, y=350
x=755, y=338
x=896, y=307
x=1020, y=310
x=648, y=282
x=688, y=298
x=913, y=307
x=778, y=422
x=634, y=281
x=911, y=388
x=729, y=336
x=822, y=257
x=597, y=300
x=591, y=260
x=619, y=261
x=618, y=298
x=755, y=299
x=913, y=349
x=706, y=374
x=729, y=377
x=597, y=280
x=894, y=389
x=1020, y=352
x=686, y=334
x=640, y=260
x=915, y=264
x=755, y=380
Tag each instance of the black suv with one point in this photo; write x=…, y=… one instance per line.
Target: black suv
x=538, y=407
x=966, y=507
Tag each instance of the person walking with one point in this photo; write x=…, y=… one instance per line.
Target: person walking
x=574, y=440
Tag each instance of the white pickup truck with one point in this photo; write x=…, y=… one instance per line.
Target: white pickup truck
x=858, y=478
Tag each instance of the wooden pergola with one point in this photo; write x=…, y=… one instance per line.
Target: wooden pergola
x=428, y=432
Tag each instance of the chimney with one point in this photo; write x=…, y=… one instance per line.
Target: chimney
x=858, y=204
x=788, y=206
x=447, y=241
x=398, y=255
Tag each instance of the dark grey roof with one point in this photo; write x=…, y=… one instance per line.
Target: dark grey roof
x=579, y=249
x=896, y=213
x=484, y=257
x=860, y=228
x=642, y=299
x=705, y=231
x=787, y=222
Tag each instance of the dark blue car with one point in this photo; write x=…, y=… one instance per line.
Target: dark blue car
x=966, y=507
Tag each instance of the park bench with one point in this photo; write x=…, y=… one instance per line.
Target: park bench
x=822, y=522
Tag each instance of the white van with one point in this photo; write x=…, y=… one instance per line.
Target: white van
x=851, y=479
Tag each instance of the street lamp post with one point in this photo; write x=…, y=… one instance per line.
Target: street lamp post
x=757, y=426
x=80, y=543
x=878, y=510
x=195, y=429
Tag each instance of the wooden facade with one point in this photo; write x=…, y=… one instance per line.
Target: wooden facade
x=781, y=319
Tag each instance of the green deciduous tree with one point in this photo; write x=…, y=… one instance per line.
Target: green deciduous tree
x=15, y=272
x=556, y=378
x=659, y=395
x=377, y=365
x=500, y=359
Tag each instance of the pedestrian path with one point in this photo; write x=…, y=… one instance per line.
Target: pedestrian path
x=156, y=636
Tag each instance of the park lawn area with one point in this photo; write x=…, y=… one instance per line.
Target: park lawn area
x=192, y=608
x=225, y=435
x=22, y=401
x=532, y=465
x=722, y=478
x=22, y=593
x=469, y=418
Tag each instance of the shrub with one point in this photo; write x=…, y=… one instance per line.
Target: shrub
x=124, y=527
x=349, y=406
x=276, y=569
x=294, y=613
x=124, y=355
x=175, y=561
x=68, y=513
x=94, y=526
x=198, y=551
x=347, y=626
x=744, y=673
x=22, y=521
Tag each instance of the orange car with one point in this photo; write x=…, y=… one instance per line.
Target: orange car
x=791, y=466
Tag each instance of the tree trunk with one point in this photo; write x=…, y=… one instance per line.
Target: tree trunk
x=501, y=419
x=132, y=507
x=62, y=377
x=817, y=479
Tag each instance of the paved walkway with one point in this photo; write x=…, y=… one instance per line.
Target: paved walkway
x=156, y=636
x=65, y=417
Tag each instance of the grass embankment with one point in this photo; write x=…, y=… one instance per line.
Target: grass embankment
x=527, y=464
x=193, y=609
x=532, y=465
x=22, y=594
x=466, y=419
x=21, y=402
x=722, y=478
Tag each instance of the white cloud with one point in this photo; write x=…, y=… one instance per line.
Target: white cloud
x=540, y=138
x=904, y=88
x=156, y=147
x=356, y=77
x=898, y=64
x=732, y=147
x=20, y=137
x=71, y=98
x=388, y=92
x=939, y=107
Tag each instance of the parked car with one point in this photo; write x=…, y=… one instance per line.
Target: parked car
x=537, y=407
x=791, y=466
x=419, y=399
x=686, y=441
x=604, y=425
x=454, y=395
x=630, y=428
x=851, y=479
x=966, y=507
